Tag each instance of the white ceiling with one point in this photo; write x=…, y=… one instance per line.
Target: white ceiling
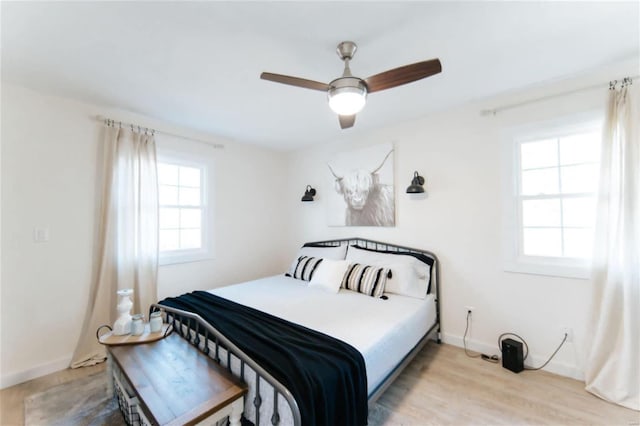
x=197, y=64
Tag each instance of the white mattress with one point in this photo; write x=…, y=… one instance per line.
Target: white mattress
x=384, y=331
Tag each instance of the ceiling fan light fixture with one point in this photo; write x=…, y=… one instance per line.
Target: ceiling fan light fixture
x=347, y=95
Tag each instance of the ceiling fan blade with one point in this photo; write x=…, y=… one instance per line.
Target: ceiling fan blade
x=347, y=121
x=295, y=81
x=403, y=75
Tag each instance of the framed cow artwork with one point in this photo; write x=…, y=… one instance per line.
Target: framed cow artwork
x=362, y=187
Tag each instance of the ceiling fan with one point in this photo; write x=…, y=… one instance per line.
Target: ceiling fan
x=347, y=94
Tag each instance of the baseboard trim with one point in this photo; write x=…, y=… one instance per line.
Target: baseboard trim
x=555, y=367
x=40, y=370
x=560, y=368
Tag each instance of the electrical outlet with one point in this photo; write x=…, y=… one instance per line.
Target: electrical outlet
x=468, y=309
x=569, y=332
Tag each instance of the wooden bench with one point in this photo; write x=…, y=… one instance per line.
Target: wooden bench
x=176, y=384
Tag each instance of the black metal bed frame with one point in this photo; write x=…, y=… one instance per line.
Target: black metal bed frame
x=214, y=344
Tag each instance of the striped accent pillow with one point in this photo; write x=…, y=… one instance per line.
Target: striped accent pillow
x=369, y=280
x=304, y=268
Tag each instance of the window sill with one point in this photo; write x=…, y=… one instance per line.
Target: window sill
x=168, y=259
x=574, y=270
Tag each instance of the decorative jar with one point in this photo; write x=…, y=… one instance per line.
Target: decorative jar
x=155, y=322
x=137, y=324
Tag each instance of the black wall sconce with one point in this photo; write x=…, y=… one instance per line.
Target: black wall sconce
x=309, y=193
x=416, y=184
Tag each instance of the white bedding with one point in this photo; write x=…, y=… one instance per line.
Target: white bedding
x=384, y=331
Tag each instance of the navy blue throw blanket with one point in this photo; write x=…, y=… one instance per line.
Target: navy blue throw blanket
x=326, y=376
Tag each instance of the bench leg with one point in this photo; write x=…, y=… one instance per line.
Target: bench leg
x=236, y=412
x=110, y=390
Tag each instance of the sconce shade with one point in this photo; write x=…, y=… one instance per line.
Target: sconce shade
x=309, y=193
x=416, y=184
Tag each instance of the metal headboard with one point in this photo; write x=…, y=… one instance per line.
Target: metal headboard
x=378, y=245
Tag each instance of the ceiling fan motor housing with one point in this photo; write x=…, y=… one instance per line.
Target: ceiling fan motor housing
x=351, y=82
x=346, y=50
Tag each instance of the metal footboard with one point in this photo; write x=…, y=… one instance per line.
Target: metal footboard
x=193, y=328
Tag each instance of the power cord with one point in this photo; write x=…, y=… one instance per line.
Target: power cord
x=526, y=347
x=496, y=358
x=464, y=340
x=493, y=358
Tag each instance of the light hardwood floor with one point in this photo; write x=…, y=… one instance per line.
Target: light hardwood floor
x=441, y=386
x=444, y=386
x=11, y=399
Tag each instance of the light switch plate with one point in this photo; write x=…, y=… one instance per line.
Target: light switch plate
x=40, y=235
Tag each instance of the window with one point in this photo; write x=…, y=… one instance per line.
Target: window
x=556, y=180
x=183, y=211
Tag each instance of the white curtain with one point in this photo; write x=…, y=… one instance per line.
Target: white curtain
x=613, y=365
x=127, y=255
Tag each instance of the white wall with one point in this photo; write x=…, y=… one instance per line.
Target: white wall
x=460, y=153
x=48, y=176
x=49, y=159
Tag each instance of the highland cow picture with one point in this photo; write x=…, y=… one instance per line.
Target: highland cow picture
x=362, y=190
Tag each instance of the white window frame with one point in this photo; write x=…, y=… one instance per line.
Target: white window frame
x=206, y=166
x=514, y=259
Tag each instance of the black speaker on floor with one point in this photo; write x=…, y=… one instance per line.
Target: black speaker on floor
x=512, y=356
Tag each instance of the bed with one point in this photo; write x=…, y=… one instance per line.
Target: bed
x=387, y=331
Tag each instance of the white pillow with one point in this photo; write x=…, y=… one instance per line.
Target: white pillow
x=409, y=276
x=334, y=253
x=405, y=281
x=328, y=275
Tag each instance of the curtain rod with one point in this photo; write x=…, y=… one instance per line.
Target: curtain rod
x=494, y=111
x=149, y=129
